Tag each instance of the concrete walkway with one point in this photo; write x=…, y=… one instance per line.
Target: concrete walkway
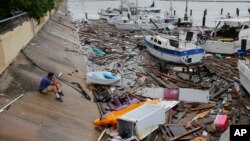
x=38, y=117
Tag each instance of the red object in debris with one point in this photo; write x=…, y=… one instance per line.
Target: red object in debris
x=221, y=123
x=171, y=94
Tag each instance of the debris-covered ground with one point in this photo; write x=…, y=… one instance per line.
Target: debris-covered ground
x=123, y=53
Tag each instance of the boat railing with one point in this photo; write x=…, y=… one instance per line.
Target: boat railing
x=12, y=22
x=161, y=34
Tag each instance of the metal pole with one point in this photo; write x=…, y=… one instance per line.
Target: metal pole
x=221, y=11
x=1, y=110
x=185, y=16
x=237, y=12
x=186, y=7
x=86, y=16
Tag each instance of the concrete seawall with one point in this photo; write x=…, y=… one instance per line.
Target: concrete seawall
x=39, y=117
x=14, y=40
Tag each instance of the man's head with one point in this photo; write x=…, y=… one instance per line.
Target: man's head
x=51, y=75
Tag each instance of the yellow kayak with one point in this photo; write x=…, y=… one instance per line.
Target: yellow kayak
x=111, y=118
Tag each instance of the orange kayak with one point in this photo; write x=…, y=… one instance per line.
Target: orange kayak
x=111, y=117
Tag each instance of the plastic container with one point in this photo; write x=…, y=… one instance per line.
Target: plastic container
x=171, y=94
x=221, y=123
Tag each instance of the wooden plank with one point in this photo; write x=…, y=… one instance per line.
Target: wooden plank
x=160, y=81
x=169, y=133
x=245, y=103
x=178, y=130
x=210, y=128
x=202, y=114
x=173, y=130
x=199, y=139
x=185, y=134
x=179, y=116
x=204, y=121
x=229, y=97
x=221, y=91
x=179, y=80
x=203, y=107
x=169, y=116
x=189, y=117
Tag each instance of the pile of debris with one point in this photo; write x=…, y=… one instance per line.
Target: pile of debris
x=199, y=114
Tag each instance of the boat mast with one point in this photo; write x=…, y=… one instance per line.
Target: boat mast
x=83, y=9
x=136, y=10
x=185, y=16
x=171, y=8
x=153, y=4
x=121, y=6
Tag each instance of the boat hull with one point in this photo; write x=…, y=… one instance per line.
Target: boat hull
x=131, y=26
x=244, y=73
x=223, y=47
x=195, y=55
x=100, y=80
x=108, y=15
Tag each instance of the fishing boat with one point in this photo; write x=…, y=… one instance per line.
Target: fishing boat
x=130, y=11
x=127, y=11
x=244, y=72
x=170, y=49
x=226, y=37
x=108, y=13
x=141, y=18
x=102, y=78
x=170, y=16
x=186, y=21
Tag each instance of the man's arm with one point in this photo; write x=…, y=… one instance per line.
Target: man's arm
x=54, y=81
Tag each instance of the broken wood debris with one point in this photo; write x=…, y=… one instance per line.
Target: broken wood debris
x=126, y=55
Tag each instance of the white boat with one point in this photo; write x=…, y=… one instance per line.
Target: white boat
x=108, y=13
x=141, y=16
x=226, y=37
x=128, y=10
x=102, y=78
x=170, y=49
x=244, y=72
x=134, y=18
x=140, y=24
x=170, y=15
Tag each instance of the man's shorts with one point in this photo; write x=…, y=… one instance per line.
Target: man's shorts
x=48, y=89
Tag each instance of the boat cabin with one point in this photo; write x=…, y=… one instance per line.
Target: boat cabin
x=163, y=42
x=229, y=30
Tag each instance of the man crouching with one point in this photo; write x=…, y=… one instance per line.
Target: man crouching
x=50, y=84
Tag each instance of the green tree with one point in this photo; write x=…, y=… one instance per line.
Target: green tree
x=4, y=9
x=35, y=8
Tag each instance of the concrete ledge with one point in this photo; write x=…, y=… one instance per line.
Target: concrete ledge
x=13, y=41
